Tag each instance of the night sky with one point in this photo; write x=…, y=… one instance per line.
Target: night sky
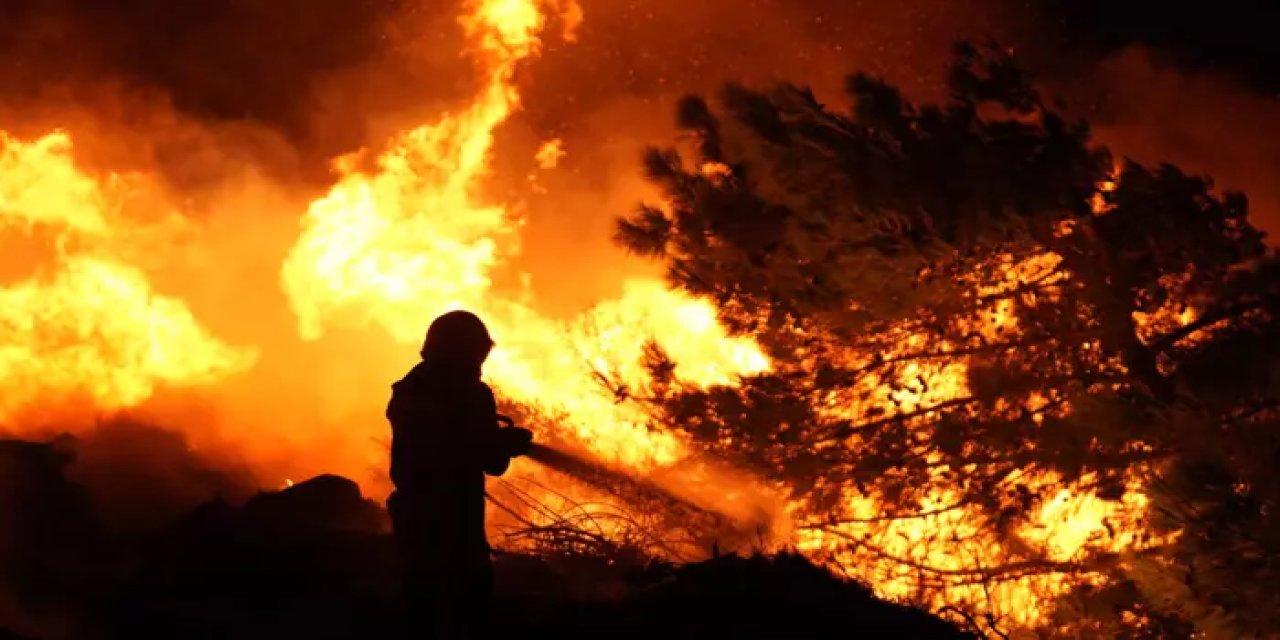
x=1236, y=36
x=257, y=59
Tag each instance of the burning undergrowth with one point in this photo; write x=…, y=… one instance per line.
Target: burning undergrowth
x=635, y=515
x=564, y=498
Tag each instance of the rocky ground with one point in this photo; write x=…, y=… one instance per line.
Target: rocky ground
x=315, y=561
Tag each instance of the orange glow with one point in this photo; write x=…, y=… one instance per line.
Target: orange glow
x=550, y=153
x=1098, y=202
x=955, y=550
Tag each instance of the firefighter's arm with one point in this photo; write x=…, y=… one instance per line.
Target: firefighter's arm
x=502, y=443
x=513, y=440
x=493, y=458
x=506, y=443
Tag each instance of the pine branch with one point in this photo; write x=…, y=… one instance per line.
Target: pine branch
x=1167, y=341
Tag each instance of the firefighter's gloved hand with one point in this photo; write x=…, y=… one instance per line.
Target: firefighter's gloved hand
x=515, y=441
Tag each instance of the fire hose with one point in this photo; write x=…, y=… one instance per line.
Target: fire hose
x=602, y=477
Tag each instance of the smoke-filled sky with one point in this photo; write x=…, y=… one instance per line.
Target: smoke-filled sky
x=294, y=82
x=269, y=61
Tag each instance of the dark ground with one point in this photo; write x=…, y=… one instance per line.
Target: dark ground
x=314, y=561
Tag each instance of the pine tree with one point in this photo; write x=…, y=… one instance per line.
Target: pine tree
x=974, y=300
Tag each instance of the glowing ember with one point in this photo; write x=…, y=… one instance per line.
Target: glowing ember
x=550, y=153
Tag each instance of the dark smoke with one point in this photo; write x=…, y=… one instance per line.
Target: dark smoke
x=139, y=476
x=317, y=76
x=329, y=77
x=142, y=477
x=217, y=59
x=1145, y=106
x=66, y=499
x=1234, y=37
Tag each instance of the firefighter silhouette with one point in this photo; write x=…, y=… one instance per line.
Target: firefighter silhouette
x=445, y=437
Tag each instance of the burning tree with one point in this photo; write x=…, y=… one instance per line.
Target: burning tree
x=1010, y=372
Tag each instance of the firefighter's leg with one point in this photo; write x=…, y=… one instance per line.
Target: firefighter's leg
x=466, y=609
x=418, y=571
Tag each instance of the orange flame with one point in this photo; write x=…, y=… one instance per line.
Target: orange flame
x=89, y=324
x=942, y=556
x=413, y=239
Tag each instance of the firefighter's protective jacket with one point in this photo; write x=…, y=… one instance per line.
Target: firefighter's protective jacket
x=445, y=437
